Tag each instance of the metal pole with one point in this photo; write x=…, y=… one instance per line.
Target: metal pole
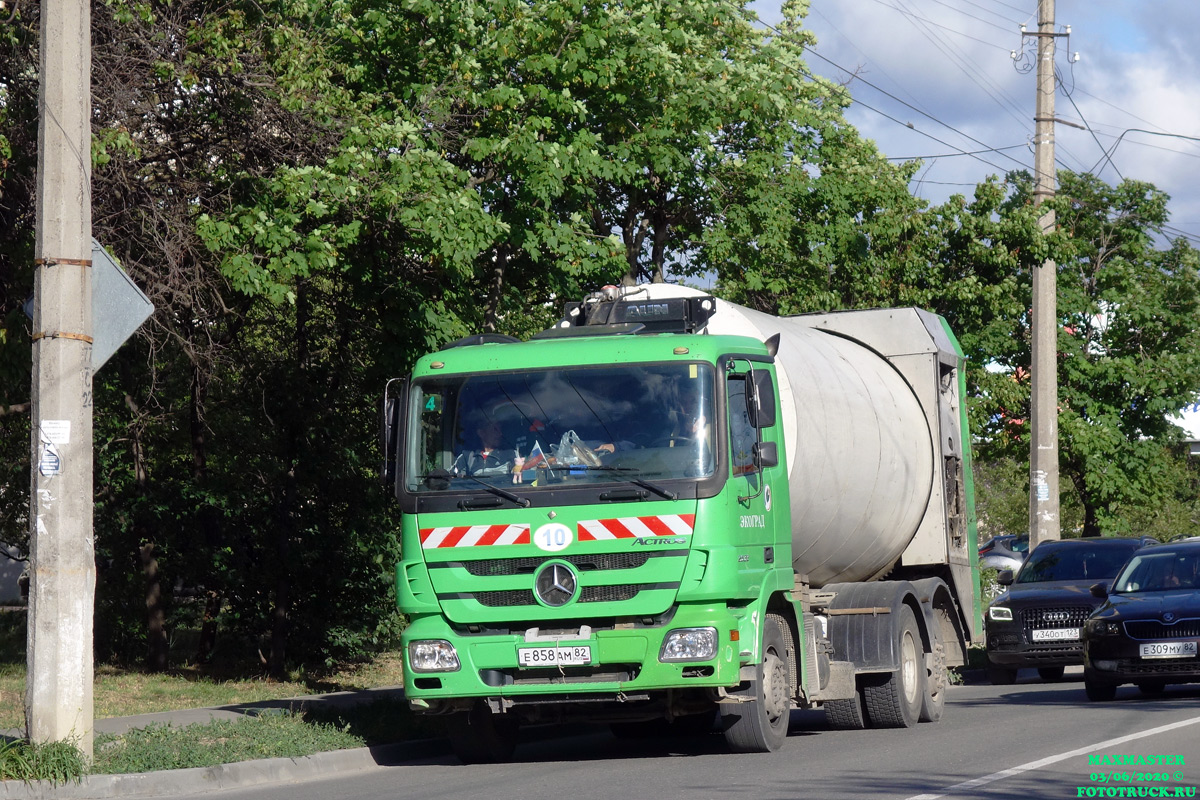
x=58, y=694
x=1043, y=449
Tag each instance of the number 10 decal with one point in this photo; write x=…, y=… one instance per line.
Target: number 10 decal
x=553, y=537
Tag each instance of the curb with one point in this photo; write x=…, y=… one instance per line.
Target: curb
x=239, y=775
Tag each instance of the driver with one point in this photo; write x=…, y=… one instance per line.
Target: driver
x=489, y=456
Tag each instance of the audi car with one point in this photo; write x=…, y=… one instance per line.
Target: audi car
x=1037, y=621
x=1148, y=629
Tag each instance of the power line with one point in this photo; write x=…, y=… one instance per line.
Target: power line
x=913, y=15
x=1093, y=133
x=910, y=106
x=972, y=16
x=959, y=153
x=1108, y=153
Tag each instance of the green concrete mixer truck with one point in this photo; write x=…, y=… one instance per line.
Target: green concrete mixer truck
x=671, y=513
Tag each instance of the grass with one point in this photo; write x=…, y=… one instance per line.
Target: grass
x=58, y=762
x=272, y=733
x=158, y=747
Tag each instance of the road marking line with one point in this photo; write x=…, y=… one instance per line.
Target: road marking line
x=1045, y=762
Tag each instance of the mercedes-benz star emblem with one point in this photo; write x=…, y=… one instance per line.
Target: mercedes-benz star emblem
x=555, y=584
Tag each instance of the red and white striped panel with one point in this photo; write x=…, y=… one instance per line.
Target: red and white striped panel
x=635, y=527
x=471, y=535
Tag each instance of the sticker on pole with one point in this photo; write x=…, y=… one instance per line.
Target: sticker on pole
x=50, y=462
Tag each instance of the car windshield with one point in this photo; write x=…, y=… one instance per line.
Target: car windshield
x=1157, y=570
x=1074, y=563
x=574, y=425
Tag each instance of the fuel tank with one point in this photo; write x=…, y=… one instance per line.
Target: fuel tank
x=861, y=456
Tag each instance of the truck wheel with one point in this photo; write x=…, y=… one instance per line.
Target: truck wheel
x=480, y=737
x=761, y=725
x=936, y=679
x=846, y=715
x=894, y=699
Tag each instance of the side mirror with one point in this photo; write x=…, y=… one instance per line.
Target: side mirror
x=390, y=425
x=1005, y=578
x=760, y=399
x=1098, y=590
x=766, y=454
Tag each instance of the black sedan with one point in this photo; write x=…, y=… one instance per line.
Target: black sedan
x=1036, y=622
x=1148, y=630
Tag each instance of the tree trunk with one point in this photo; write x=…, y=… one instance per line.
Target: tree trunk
x=156, y=629
x=208, y=629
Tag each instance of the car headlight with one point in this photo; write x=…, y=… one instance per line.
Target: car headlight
x=1103, y=627
x=432, y=655
x=1000, y=613
x=689, y=644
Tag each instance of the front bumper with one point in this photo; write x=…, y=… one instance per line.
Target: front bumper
x=1118, y=662
x=625, y=661
x=1009, y=645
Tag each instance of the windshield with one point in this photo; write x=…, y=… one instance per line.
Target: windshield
x=1159, y=571
x=1074, y=563
x=544, y=428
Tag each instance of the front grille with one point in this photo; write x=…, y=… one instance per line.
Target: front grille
x=1158, y=666
x=1154, y=629
x=497, y=567
x=608, y=594
x=524, y=597
x=503, y=599
x=604, y=673
x=1054, y=617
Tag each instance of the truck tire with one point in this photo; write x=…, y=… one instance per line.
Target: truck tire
x=937, y=680
x=761, y=724
x=846, y=715
x=480, y=737
x=894, y=699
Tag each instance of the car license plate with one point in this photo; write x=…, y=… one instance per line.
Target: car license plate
x=1168, y=649
x=561, y=655
x=1055, y=634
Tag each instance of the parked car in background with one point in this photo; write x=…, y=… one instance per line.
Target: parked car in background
x=1006, y=551
x=1037, y=621
x=1147, y=632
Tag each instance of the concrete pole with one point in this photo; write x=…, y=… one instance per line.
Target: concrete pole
x=58, y=693
x=1043, y=449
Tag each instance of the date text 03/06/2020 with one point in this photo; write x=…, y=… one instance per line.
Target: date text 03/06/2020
x=1137, y=771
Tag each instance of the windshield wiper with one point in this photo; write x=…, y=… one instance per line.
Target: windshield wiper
x=645, y=484
x=523, y=502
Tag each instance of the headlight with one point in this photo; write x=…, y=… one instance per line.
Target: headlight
x=1000, y=613
x=432, y=655
x=689, y=644
x=1103, y=627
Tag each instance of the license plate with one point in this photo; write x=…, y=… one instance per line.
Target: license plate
x=1055, y=634
x=561, y=655
x=1168, y=649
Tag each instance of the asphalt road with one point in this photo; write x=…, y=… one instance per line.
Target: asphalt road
x=1027, y=741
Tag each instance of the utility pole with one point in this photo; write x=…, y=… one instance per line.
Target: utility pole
x=1043, y=447
x=58, y=694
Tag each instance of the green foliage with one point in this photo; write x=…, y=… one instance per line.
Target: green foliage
x=274, y=734
x=57, y=762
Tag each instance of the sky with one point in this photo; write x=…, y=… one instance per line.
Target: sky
x=943, y=69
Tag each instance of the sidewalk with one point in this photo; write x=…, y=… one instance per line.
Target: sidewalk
x=231, y=776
